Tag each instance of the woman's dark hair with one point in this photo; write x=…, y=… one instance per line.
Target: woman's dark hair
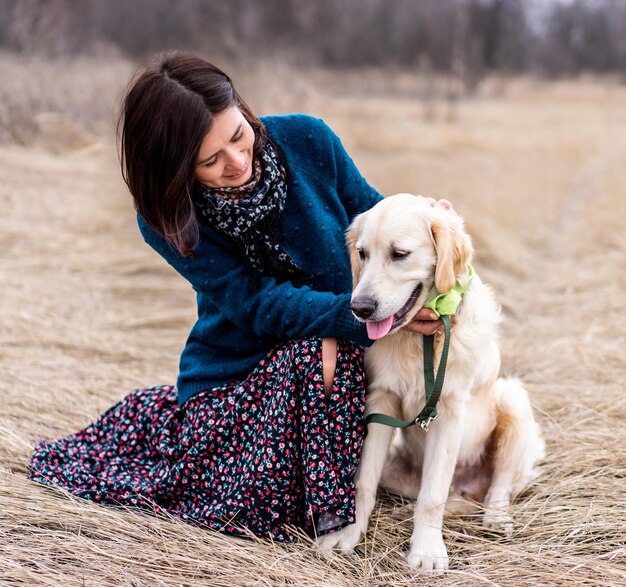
x=167, y=111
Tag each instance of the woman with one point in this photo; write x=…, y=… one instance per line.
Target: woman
x=263, y=429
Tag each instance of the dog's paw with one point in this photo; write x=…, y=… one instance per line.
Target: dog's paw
x=344, y=540
x=428, y=553
x=499, y=521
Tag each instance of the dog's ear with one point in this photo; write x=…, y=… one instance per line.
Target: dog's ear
x=454, y=249
x=352, y=235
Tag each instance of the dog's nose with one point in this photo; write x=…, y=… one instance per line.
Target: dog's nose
x=363, y=306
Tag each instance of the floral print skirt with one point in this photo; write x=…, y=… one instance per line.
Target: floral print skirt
x=257, y=457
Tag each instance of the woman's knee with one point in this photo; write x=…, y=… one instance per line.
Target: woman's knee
x=329, y=363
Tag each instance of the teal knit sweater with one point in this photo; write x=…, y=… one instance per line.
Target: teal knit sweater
x=240, y=316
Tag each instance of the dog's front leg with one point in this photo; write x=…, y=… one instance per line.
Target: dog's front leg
x=367, y=477
x=441, y=450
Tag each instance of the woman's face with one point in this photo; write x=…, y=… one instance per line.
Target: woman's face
x=225, y=155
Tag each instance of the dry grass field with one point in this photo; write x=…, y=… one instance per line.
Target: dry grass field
x=88, y=312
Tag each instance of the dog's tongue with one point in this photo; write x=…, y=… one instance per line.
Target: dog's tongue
x=376, y=330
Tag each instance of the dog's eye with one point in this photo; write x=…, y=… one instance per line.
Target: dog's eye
x=362, y=254
x=395, y=255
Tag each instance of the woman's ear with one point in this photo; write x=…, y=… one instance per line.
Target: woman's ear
x=352, y=236
x=454, y=249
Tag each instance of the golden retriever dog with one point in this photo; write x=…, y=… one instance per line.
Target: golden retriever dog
x=484, y=445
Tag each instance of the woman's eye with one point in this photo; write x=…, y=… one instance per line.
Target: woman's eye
x=209, y=163
x=399, y=254
x=235, y=139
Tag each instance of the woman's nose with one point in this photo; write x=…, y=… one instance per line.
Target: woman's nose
x=235, y=159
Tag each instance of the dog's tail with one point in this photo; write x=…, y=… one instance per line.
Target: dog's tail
x=517, y=435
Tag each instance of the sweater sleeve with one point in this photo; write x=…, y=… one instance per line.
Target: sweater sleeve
x=259, y=305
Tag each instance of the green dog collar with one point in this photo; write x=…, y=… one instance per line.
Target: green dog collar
x=446, y=304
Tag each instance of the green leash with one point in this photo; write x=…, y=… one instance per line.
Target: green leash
x=444, y=305
x=433, y=386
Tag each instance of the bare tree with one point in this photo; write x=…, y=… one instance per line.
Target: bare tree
x=465, y=39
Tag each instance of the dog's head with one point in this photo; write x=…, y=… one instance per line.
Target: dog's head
x=399, y=250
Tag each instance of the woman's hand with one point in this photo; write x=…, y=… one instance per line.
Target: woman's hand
x=442, y=203
x=425, y=322
x=446, y=204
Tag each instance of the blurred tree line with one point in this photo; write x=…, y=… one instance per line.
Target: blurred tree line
x=466, y=37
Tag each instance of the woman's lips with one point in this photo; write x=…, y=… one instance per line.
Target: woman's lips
x=242, y=172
